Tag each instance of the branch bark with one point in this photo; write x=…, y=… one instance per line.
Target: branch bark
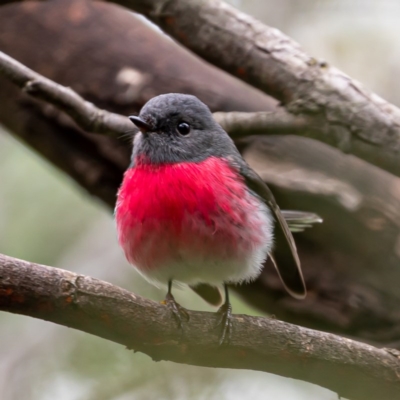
x=280, y=122
x=354, y=120
x=90, y=118
x=353, y=370
x=85, y=114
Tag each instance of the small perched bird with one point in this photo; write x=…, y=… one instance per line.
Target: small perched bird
x=191, y=210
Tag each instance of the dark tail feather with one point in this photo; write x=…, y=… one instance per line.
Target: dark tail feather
x=209, y=293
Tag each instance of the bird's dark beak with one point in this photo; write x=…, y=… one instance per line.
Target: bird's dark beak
x=143, y=126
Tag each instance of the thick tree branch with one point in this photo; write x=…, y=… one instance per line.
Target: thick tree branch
x=357, y=122
x=353, y=370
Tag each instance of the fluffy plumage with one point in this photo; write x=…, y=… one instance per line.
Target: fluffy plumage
x=192, y=222
x=190, y=209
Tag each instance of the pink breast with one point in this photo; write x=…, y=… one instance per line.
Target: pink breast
x=167, y=211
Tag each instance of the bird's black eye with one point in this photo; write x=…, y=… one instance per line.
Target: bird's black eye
x=183, y=128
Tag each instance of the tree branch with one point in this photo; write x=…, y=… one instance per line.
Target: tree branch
x=85, y=114
x=95, y=120
x=353, y=370
x=357, y=122
x=241, y=124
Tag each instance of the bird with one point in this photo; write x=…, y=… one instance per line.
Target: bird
x=191, y=211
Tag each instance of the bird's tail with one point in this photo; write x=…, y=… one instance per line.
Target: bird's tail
x=300, y=220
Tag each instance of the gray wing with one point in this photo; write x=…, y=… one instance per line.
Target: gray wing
x=284, y=254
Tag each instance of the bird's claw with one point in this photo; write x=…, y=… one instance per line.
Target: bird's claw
x=180, y=314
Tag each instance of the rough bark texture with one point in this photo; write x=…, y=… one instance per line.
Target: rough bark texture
x=350, y=262
x=353, y=370
x=356, y=121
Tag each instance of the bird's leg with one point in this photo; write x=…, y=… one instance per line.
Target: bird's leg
x=226, y=319
x=179, y=313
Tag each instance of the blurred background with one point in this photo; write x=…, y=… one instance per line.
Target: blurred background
x=45, y=217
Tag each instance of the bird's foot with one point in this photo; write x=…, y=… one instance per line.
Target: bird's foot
x=180, y=314
x=225, y=322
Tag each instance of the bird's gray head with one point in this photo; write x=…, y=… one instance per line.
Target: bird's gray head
x=176, y=128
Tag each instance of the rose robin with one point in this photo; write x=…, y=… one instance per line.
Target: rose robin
x=190, y=209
